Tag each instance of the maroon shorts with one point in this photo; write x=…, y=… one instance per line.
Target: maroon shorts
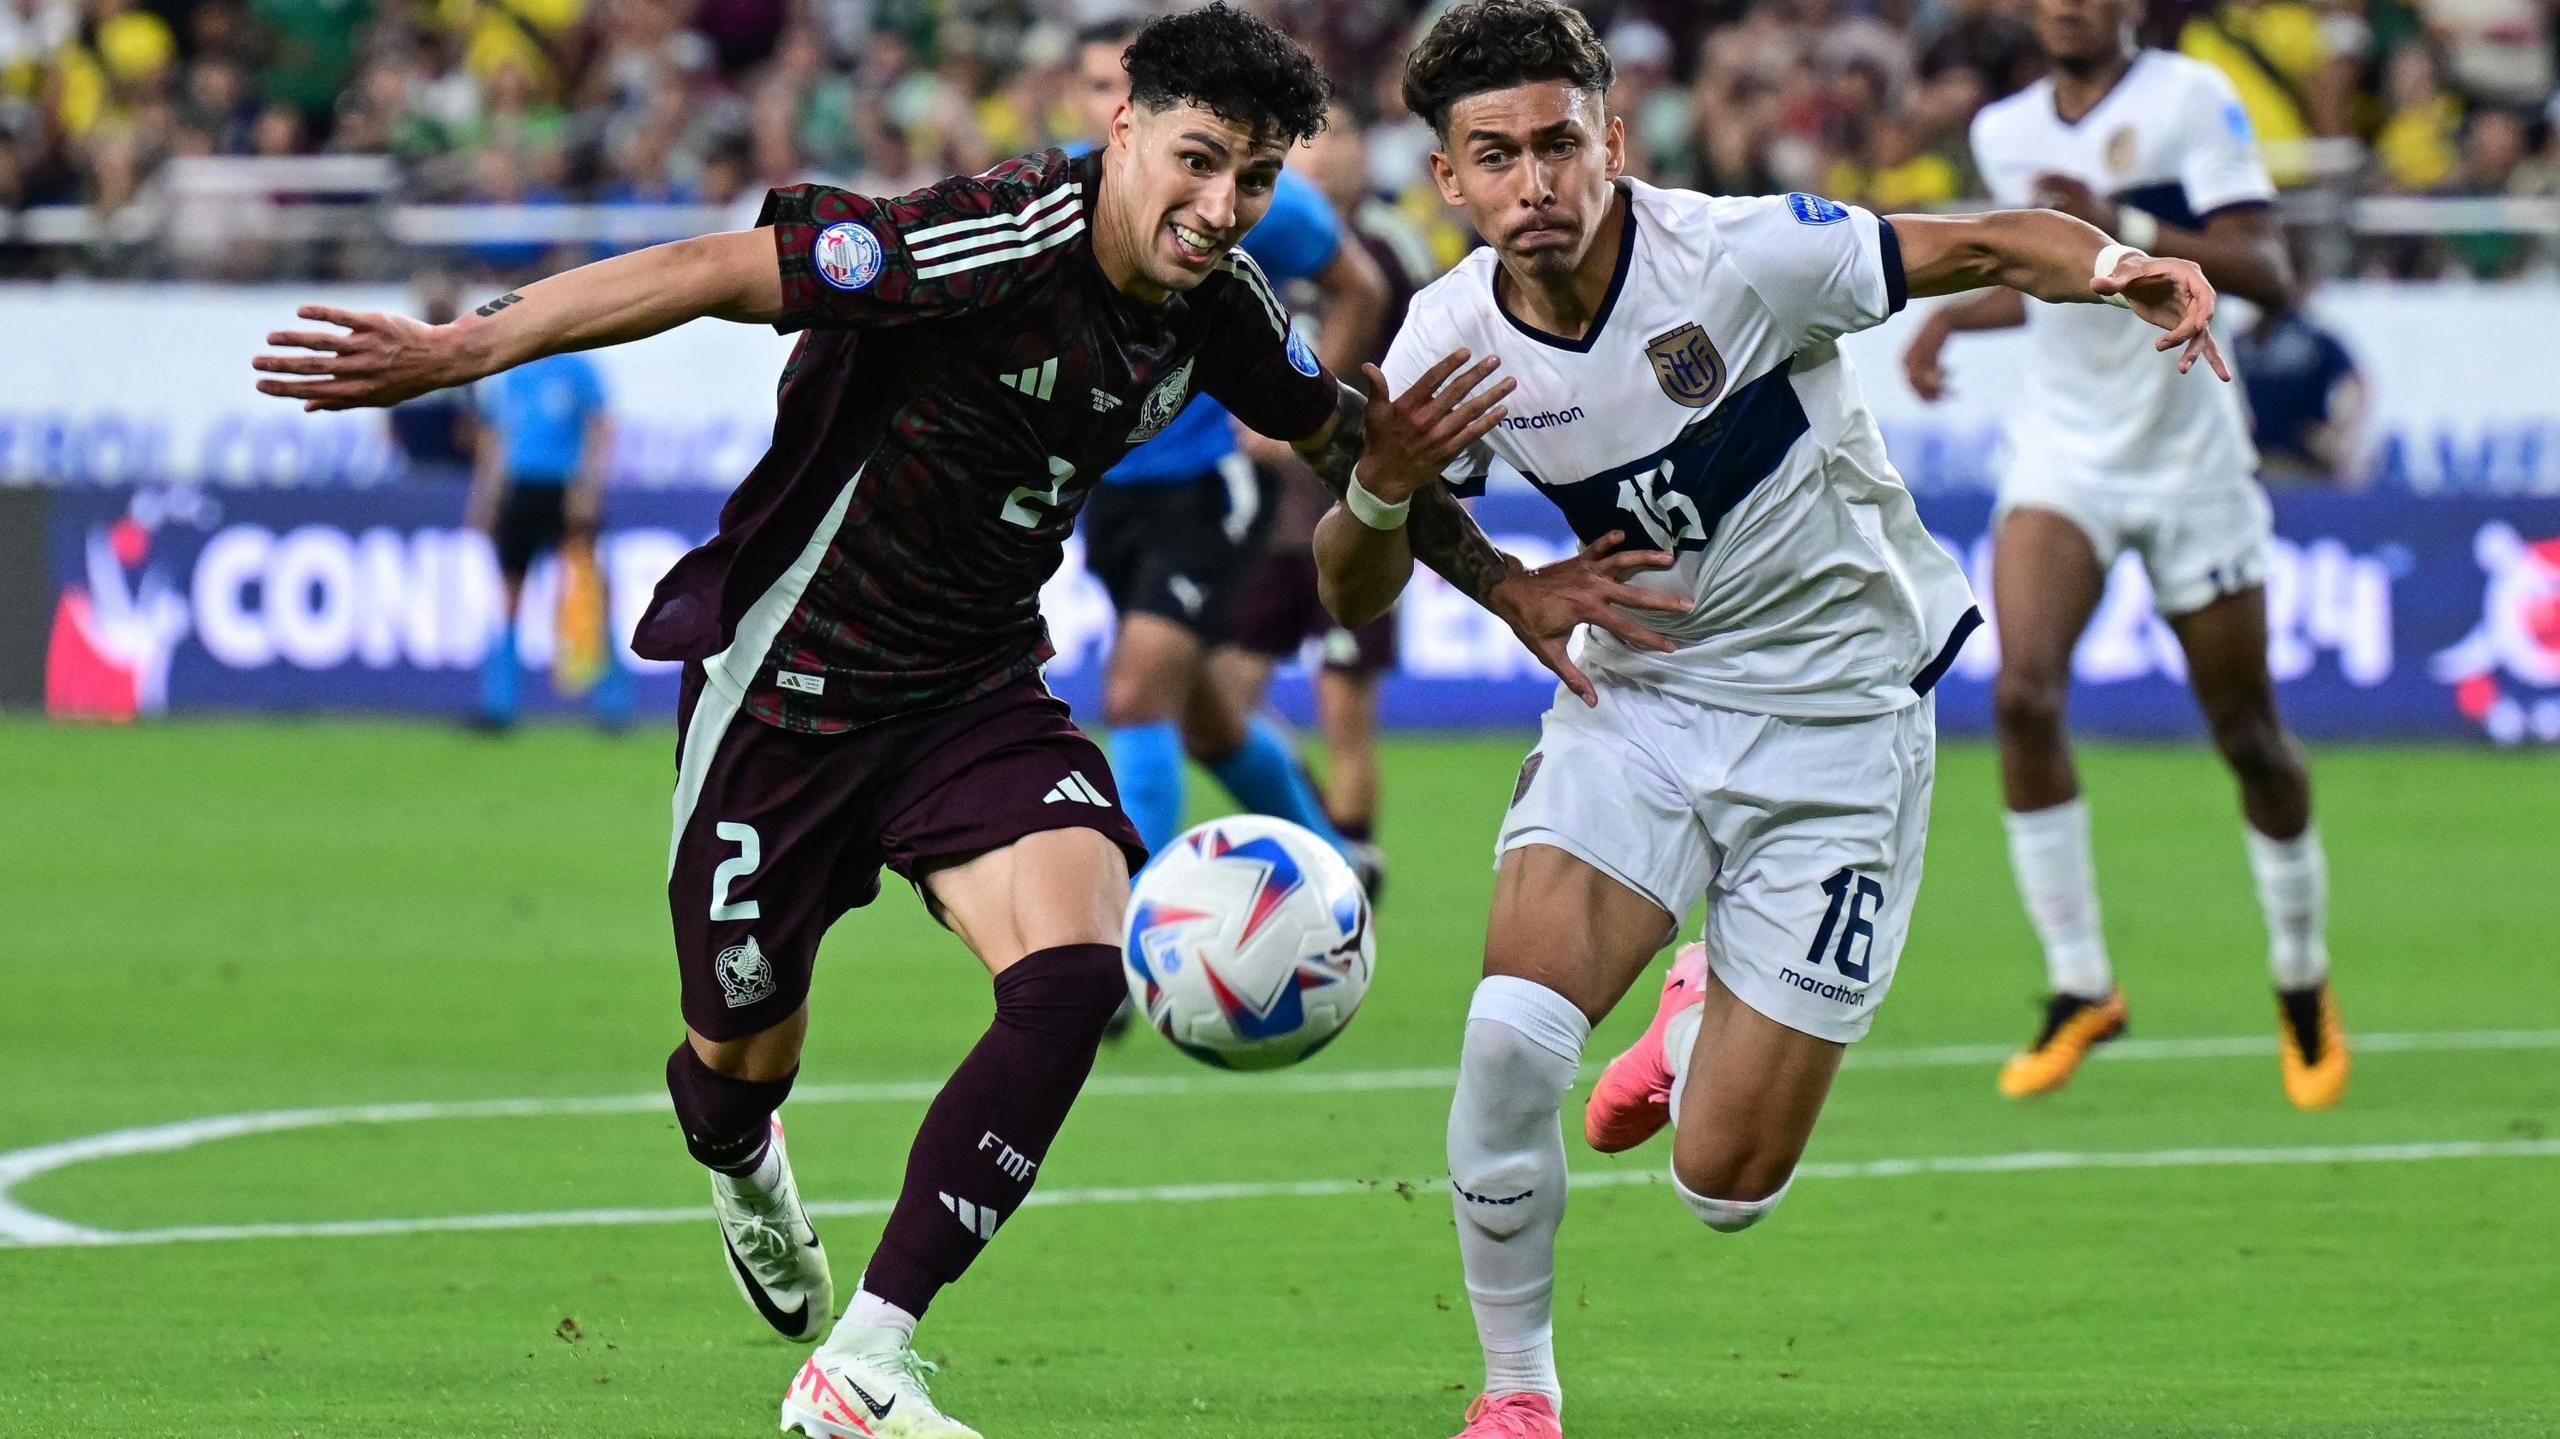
x=777, y=833
x=1279, y=610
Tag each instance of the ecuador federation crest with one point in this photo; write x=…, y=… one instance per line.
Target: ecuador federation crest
x=1686, y=363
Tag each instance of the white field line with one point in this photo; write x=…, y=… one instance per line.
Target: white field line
x=2026, y=1162
x=20, y=1225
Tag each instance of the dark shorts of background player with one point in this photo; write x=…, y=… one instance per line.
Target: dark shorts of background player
x=1280, y=611
x=533, y=521
x=1179, y=550
x=787, y=831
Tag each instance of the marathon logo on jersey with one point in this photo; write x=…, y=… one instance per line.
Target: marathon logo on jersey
x=1543, y=420
x=2506, y=673
x=1301, y=358
x=846, y=255
x=1823, y=988
x=1686, y=363
x=1815, y=210
x=744, y=973
x=1162, y=404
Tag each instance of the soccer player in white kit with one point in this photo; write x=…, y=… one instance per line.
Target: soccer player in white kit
x=1669, y=373
x=2110, y=454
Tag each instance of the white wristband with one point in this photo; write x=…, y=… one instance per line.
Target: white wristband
x=2108, y=259
x=1369, y=510
x=2138, y=228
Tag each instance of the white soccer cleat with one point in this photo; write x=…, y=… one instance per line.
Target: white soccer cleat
x=773, y=1252
x=854, y=1389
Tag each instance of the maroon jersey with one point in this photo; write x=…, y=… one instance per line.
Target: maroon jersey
x=967, y=374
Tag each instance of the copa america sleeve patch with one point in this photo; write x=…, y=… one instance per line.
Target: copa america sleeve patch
x=1301, y=358
x=1815, y=210
x=846, y=255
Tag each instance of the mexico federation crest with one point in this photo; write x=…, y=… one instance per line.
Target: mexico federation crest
x=1162, y=404
x=1686, y=363
x=745, y=974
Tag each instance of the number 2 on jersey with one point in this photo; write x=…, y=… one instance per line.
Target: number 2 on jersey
x=1856, y=894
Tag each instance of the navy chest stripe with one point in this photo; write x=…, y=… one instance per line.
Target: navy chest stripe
x=1714, y=465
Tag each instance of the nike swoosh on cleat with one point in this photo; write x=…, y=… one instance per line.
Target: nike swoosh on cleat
x=790, y=1323
x=878, y=1409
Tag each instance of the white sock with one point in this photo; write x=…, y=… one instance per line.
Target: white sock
x=2293, y=889
x=868, y=1317
x=1506, y=1172
x=2049, y=852
x=1679, y=1046
x=763, y=1178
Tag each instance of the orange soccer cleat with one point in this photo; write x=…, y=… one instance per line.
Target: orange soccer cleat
x=1632, y=1101
x=2072, y=1027
x=2312, y=1042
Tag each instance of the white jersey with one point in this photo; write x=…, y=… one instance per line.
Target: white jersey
x=2102, y=407
x=1708, y=412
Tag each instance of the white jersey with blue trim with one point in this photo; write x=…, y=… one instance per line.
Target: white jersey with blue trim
x=1709, y=412
x=2102, y=406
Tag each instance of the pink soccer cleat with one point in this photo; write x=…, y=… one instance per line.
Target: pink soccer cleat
x=1632, y=1101
x=1512, y=1416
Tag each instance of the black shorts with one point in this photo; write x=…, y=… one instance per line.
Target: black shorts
x=778, y=833
x=1280, y=610
x=533, y=520
x=1182, y=549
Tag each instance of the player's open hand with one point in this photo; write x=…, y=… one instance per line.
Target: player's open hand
x=2175, y=295
x=1545, y=605
x=1409, y=439
x=1924, y=363
x=369, y=360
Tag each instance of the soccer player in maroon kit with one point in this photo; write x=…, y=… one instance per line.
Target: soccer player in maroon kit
x=862, y=640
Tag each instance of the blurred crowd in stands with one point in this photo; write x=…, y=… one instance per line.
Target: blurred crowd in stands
x=708, y=102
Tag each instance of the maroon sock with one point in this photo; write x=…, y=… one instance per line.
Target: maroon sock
x=986, y=1134
x=727, y=1122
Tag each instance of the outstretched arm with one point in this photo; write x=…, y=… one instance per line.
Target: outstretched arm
x=2240, y=246
x=2052, y=257
x=377, y=359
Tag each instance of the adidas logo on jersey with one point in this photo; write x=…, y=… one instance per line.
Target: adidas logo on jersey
x=1036, y=381
x=979, y=1219
x=1075, y=789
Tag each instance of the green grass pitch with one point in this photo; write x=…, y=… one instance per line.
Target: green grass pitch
x=209, y=919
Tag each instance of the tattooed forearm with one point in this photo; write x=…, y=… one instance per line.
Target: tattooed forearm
x=500, y=303
x=1344, y=439
x=1445, y=537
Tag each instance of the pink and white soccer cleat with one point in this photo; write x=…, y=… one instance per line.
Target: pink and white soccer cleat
x=1512, y=1416
x=1632, y=1101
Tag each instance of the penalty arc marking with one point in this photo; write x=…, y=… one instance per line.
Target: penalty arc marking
x=22, y=1227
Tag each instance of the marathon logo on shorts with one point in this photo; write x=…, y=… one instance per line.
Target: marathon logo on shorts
x=745, y=974
x=1528, y=775
x=1823, y=988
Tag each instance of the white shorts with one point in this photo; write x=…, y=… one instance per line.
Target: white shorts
x=1804, y=836
x=2198, y=541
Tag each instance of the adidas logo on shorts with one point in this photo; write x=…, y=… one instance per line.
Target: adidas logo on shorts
x=1075, y=789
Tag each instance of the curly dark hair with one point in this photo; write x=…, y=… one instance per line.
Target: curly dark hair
x=1496, y=44
x=1236, y=66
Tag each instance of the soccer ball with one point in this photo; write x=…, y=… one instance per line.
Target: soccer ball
x=1248, y=943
